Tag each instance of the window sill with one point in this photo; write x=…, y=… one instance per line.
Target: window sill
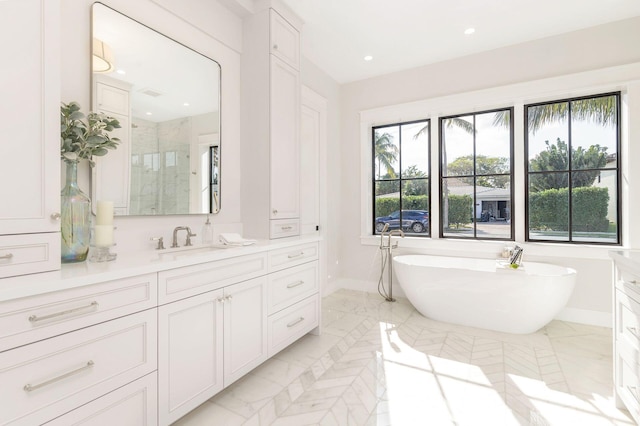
x=493, y=249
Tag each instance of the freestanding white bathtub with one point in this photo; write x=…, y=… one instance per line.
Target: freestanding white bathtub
x=485, y=293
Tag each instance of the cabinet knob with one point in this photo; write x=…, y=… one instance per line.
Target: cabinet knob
x=275, y=211
x=55, y=216
x=275, y=47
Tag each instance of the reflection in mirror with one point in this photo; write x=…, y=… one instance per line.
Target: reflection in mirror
x=167, y=99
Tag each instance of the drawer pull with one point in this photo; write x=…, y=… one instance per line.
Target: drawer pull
x=35, y=318
x=633, y=331
x=632, y=282
x=228, y=298
x=293, y=256
x=6, y=256
x=221, y=300
x=296, y=284
x=286, y=228
x=294, y=322
x=29, y=387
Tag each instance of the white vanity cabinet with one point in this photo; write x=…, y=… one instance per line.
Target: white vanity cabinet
x=294, y=297
x=48, y=378
x=145, y=346
x=210, y=340
x=63, y=349
x=627, y=331
x=30, y=133
x=271, y=140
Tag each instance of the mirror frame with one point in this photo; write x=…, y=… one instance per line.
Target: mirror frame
x=215, y=198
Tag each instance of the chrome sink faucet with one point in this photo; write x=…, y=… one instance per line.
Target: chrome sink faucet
x=174, y=242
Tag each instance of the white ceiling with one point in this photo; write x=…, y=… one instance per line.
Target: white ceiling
x=403, y=34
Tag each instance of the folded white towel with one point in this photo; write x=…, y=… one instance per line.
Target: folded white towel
x=232, y=239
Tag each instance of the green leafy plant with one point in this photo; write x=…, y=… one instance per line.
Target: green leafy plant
x=82, y=139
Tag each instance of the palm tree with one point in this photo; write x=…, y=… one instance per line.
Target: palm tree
x=601, y=110
x=386, y=153
x=449, y=123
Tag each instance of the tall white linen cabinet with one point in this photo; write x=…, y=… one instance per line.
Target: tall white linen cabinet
x=270, y=124
x=29, y=136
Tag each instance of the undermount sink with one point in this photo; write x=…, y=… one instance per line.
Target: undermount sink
x=181, y=252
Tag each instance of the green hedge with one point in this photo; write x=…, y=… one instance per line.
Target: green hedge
x=386, y=206
x=548, y=209
x=460, y=210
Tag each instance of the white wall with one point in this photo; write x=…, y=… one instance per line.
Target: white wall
x=203, y=25
x=591, y=49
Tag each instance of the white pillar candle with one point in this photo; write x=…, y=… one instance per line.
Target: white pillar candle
x=103, y=235
x=104, y=213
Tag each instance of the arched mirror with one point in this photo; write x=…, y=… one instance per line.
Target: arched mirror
x=167, y=99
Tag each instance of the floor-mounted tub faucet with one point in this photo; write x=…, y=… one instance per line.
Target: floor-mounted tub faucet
x=387, y=259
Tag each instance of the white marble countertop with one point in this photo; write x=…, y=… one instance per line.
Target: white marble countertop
x=627, y=258
x=87, y=273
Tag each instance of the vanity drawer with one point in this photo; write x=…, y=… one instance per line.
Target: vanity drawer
x=627, y=319
x=292, y=323
x=628, y=282
x=29, y=253
x=30, y=319
x=291, y=285
x=184, y=282
x=628, y=378
x=132, y=404
x=292, y=256
x=281, y=228
x=46, y=379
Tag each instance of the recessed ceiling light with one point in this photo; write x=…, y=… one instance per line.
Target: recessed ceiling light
x=149, y=113
x=186, y=104
x=121, y=72
x=469, y=31
x=368, y=58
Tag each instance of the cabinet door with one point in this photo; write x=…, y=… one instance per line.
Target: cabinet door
x=29, y=116
x=245, y=328
x=285, y=112
x=285, y=40
x=189, y=354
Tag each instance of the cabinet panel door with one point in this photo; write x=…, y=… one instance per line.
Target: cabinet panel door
x=29, y=116
x=285, y=112
x=189, y=354
x=245, y=328
x=285, y=40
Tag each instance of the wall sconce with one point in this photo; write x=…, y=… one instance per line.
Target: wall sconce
x=102, y=57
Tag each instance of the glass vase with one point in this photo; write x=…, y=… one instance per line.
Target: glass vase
x=75, y=218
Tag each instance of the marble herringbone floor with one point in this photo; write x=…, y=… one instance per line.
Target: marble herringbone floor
x=379, y=363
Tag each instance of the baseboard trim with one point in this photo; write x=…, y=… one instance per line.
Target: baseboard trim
x=584, y=316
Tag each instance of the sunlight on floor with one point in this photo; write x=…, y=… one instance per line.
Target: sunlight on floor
x=423, y=387
x=447, y=392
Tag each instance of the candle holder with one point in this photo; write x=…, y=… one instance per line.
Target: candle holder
x=101, y=254
x=101, y=243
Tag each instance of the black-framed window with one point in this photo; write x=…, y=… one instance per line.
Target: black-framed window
x=572, y=151
x=401, y=170
x=476, y=175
